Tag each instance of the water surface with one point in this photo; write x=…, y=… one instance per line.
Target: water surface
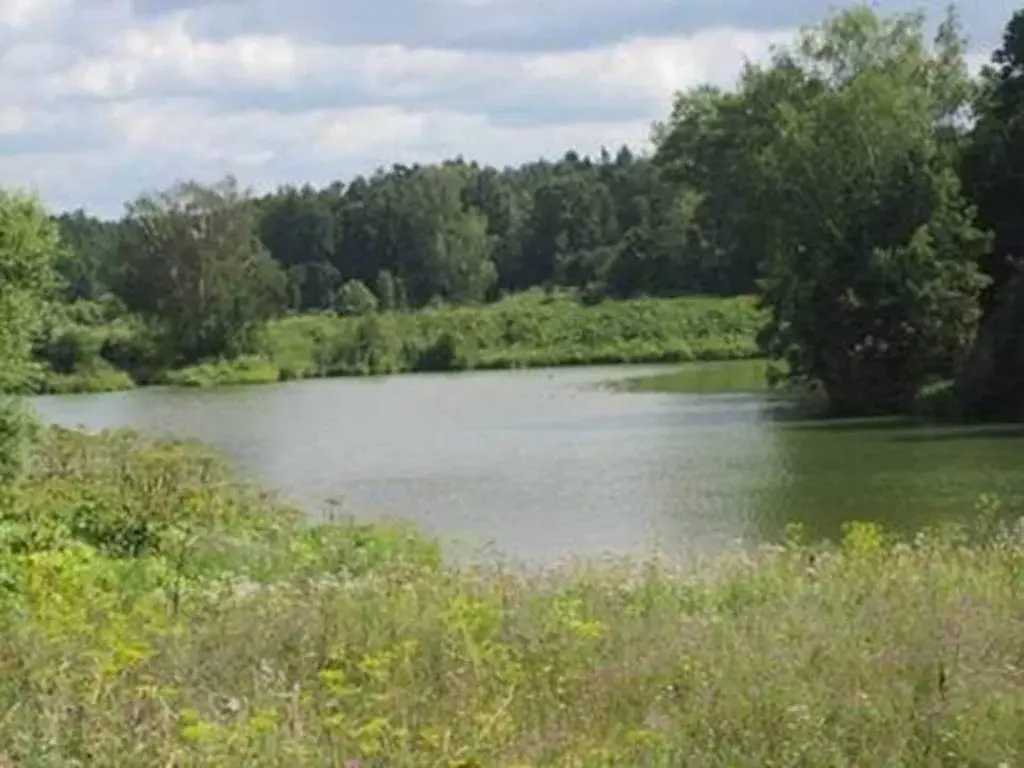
x=548, y=463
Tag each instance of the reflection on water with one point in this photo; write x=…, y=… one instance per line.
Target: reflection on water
x=547, y=463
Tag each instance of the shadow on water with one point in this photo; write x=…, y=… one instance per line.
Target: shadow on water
x=929, y=434
x=900, y=429
x=793, y=419
x=905, y=474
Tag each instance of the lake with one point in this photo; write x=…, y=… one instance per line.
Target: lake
x=543, y=464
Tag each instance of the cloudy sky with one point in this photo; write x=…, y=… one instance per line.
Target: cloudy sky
x=102, y=99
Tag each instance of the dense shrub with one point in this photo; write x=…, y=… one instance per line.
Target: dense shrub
x=525, y=330
x=520, y=331
x=154, y=611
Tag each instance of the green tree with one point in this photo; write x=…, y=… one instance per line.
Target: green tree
x=460, y=260
x=355, y=298
x=387, y=290
x=992, y=382
x=505, y=203
x=873, y=285
x=29, y=248
x=993, y=164
x=192, y=262
x=572, y=217
x=710, y=148
x=90, y=247
x=434, y=242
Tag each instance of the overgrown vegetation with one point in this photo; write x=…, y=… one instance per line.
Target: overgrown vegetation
x=525, y=330
x=155, y=611
x=726, y=377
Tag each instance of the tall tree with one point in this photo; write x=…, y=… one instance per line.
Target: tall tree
x=873, y=284
x=89, y=255
x=192, y=262
x=993, y=165
x=992, y=384
x=711, y=145
x=29, y=247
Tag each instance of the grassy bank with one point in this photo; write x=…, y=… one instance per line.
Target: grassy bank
x=720, y=377
x=524, y=331
x=157, y=612
x=529, y=330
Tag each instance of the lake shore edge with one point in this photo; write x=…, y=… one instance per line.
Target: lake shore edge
x=258, y=638
x=525, y=331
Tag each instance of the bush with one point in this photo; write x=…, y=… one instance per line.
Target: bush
x=136, y=347
x=152, y=605
x=125, y=495
x=449, y=352
x=18, y=428
x=218, y=373
x=525, y=330
x=348, y=643
x=101, y=378
x=938, y=401
x=355, y=299
x=71, y=349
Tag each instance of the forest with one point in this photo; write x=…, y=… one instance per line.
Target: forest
x=859, y=184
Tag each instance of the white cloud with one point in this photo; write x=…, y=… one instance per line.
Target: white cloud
x=100, y=102
x=21, y=14
x=13, y=119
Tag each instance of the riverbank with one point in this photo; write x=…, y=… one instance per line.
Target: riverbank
x=157, y=611
x=747, y=376
x=529, y=330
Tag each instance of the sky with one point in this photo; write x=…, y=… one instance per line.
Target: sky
x=101, y=100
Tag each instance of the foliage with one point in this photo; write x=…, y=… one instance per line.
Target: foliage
x=992, y=382
x=613, y=224
x=125, y=495
x=88, y=346
x=872, y=283
x=237, y=371
x=994, y=159
x=156, y=611
x=18, y=429
x=521, y=331
x=29, y=247
x=190, y=259
x=100, y=378
x=354, y=298
x=518, y=332
x=86, y=264
x=731, y=376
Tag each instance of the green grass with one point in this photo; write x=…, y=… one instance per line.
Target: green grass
x=523, y=331
x=156, y=611
x=244, y=370
x=527, y=330
x=726, y=377
x=99, y=378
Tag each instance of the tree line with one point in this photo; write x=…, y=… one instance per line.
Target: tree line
x=456, y=232
x=860, y=181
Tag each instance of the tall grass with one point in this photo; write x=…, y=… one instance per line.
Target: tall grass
x=156, y=612
x=527, y=330
x=237, y=372
x=524, y=331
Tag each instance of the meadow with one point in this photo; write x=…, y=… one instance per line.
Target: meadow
x=528, y=330
x=158, y=611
